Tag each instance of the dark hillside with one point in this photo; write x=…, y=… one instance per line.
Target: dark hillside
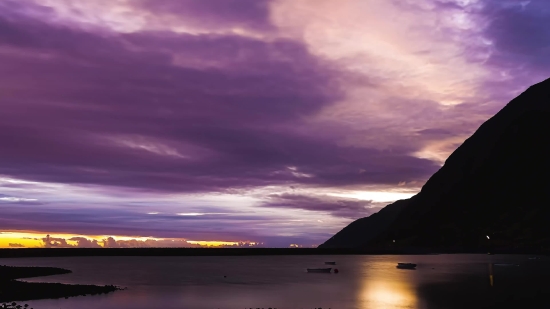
x=496, y=183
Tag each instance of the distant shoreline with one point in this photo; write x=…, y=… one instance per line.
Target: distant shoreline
x=66, y=252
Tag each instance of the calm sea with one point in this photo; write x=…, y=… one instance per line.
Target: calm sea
x=440, y=281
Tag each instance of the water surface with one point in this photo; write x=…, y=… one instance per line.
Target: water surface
x=440, y=281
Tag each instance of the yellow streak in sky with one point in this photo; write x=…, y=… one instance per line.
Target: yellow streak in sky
x=217, y=243
x=33, y=239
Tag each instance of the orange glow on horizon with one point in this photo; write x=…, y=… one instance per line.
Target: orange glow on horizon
x=214, y=243
x=33, y=239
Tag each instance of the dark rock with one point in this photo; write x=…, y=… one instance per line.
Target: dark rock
x=13, y=290
x=9, y=272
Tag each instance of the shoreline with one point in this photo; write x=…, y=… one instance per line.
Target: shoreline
x=12, y=289
x=76, y=252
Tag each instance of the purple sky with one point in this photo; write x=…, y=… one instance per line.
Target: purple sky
x=275, y=121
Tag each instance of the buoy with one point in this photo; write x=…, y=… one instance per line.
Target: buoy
x=336, y=270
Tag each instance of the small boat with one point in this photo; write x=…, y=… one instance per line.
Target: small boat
x=534, y=258
x=406, y=265
x=318, y=270
x=330, y=263
x=505, y=264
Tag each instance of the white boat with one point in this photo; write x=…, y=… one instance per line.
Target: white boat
x=330, y=263
x=318, y=270
x=406, y=265
x=534, y=258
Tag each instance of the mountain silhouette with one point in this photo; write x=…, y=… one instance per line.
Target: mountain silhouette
x=492, y=192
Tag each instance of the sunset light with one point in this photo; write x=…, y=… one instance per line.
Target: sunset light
x=274, y=154
x=301, y=116
x=10, y=239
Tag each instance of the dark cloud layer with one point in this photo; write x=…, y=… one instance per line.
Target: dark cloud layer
x=520, y=35
x=337, y=207
x=214, y=13
x=520, y=32
x=115, y=221
x=173, y=112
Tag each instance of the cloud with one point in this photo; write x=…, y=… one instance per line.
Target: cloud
x=174, y=112
x=111, y=242
x=520, y=35
x=55, y=242
x=509, y=42
x=83, y=242
x=116, y=220
x=337, y=207
x=213, y=14
x=14, y=199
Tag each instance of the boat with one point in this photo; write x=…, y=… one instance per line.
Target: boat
x=318, y=270
x=534, y=258
x=406, y=265
x=505, y=264
x=330, y=263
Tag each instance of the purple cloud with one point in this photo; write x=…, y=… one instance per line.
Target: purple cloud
x=83, y=242
x=519, y=44
x=337, y=207
x=520, y=32
x=214, y=13
x=115, y=220
x=174, y=112
x=55, y=242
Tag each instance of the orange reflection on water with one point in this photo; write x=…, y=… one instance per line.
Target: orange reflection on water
x=491, y=274
x=390, y=295
x=386, y=287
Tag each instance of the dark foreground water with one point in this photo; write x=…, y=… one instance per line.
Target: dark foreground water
x=440, y=281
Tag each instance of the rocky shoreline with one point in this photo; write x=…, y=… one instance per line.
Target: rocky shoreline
x=12, y=289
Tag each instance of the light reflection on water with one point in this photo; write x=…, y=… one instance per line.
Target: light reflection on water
x=384, y=286
x=440, y=281
x=380, y=294
x=491, y=279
